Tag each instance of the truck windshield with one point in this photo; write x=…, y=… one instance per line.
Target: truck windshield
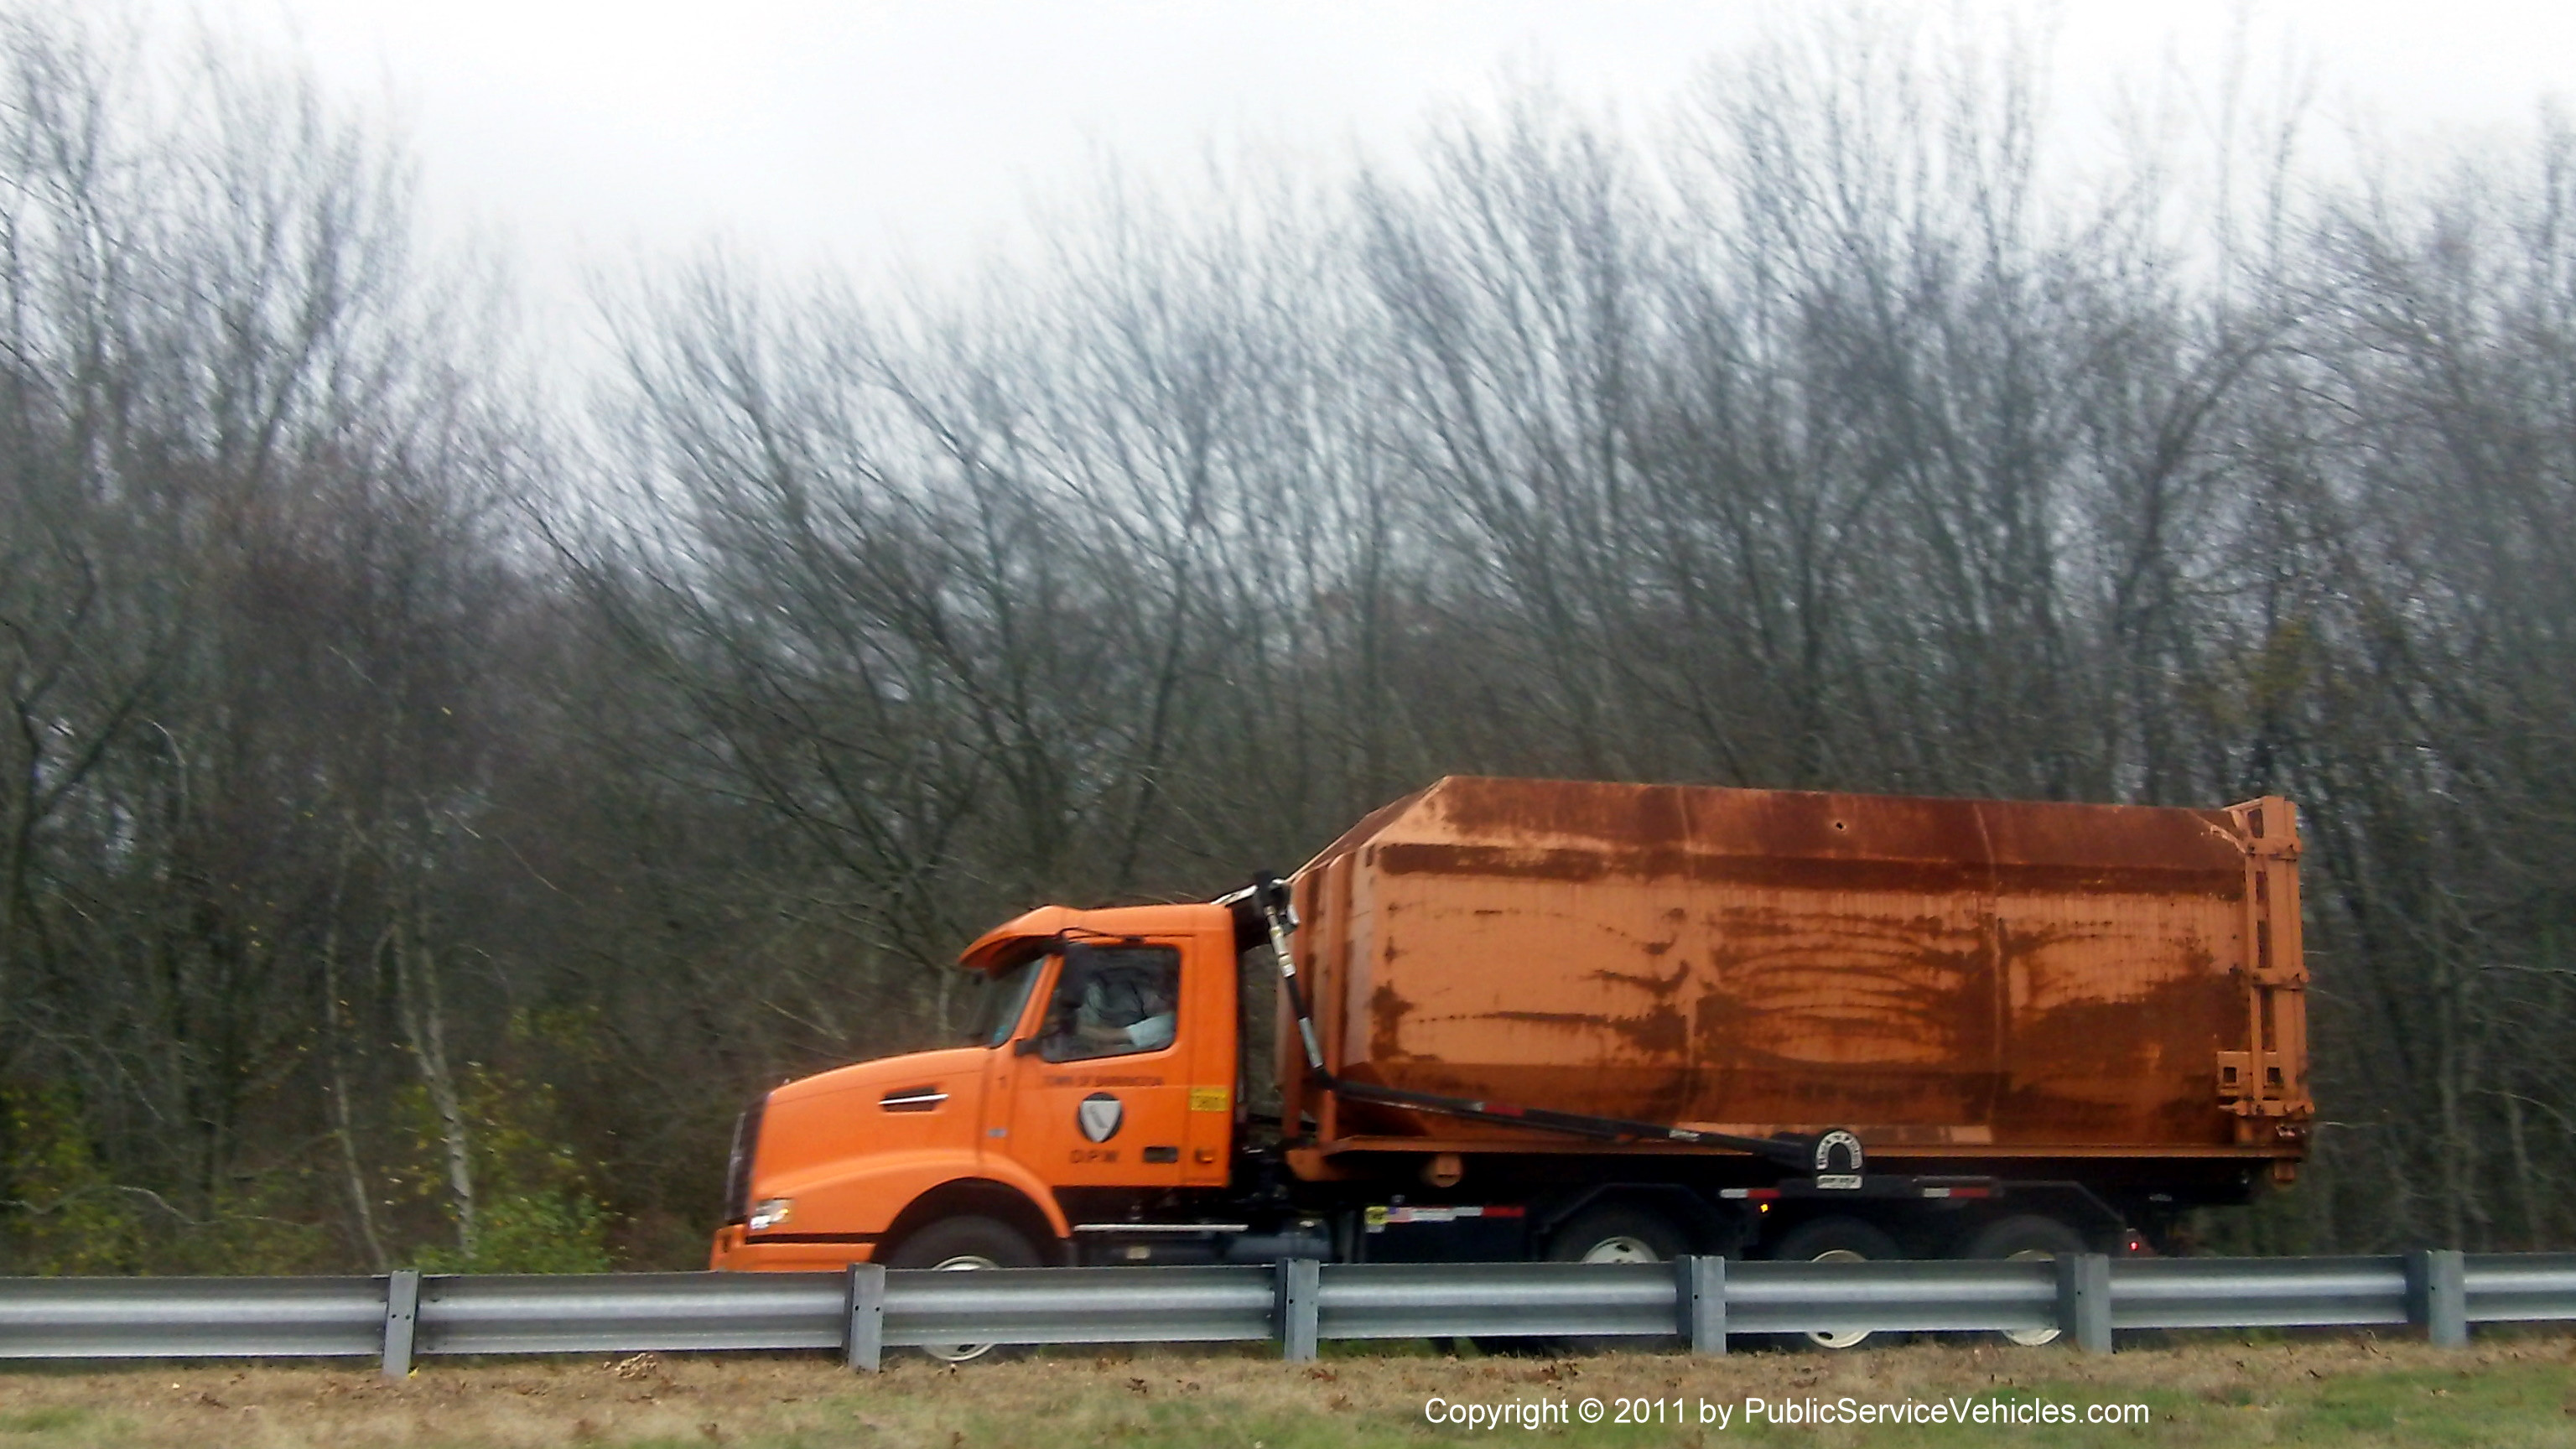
x=997, y=1006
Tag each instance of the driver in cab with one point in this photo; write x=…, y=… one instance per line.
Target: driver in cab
x=1109, y=1007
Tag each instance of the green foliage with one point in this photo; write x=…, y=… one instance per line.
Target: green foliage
x=256, y=1225
x=536, y=1210
x=65, y=1214
x=2278, y=1222
x=570, y=1034
x=551, y=1230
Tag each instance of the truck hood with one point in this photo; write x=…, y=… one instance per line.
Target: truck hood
x=954, y=1070
x=814, y=1131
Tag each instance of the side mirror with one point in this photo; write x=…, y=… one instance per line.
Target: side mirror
x=1026, y=1046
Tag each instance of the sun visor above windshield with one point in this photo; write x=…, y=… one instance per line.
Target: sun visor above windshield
x=1015, y=941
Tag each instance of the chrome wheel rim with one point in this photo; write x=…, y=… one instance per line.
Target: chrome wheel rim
x=1622, y=1249
x=960, y=1352
x=1850, y=1337
x=2031, y=1337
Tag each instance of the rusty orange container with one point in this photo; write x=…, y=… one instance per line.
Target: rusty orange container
x=1954, y=979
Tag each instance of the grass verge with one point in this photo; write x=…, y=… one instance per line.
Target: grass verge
x=2355, y=1393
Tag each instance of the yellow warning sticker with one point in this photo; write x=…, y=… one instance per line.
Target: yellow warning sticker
x=1210, y=1099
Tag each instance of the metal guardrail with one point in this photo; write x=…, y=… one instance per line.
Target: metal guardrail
x=1699, y=1302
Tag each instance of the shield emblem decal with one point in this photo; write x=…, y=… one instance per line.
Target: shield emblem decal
x=1100, y=1115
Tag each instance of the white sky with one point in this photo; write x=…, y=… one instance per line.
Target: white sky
x=572, y=131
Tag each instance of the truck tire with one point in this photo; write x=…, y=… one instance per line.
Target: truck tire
x=1611, y=1233
x=1617, y=1232
x=2026, y=1237
x=962, y=1244
x=1834, y=1240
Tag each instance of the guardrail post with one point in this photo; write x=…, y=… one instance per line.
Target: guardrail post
x=2437, y=1296
x=2084, y=1300
x=402, y=1317
x=865, y=1340
x=1699, y=1292
x=1299, y=1283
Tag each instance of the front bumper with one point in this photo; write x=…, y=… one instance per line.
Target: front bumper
x=737, y=1251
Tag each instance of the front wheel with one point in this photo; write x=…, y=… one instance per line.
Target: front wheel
x=1835, y=1240
x=963, y=1244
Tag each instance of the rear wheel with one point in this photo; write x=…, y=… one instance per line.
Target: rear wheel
x=963, y=1244
x=2026, y=1238
x=1835, y=1240
x=1613, y=1233
x=1618, y=1233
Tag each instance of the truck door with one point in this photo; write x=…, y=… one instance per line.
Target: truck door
x=1101, y=1099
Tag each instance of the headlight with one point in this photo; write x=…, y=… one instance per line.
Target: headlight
x=770, y=1213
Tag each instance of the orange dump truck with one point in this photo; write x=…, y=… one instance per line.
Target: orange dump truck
x=1542, y=1019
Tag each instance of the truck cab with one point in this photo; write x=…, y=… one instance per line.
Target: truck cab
x=1101, y=1077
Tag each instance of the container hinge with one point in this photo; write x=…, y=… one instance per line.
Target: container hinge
x=2256, y=1084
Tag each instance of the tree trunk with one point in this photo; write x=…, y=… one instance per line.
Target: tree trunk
x=416, y=991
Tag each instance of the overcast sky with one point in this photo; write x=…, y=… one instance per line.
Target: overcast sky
x=866, y=130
